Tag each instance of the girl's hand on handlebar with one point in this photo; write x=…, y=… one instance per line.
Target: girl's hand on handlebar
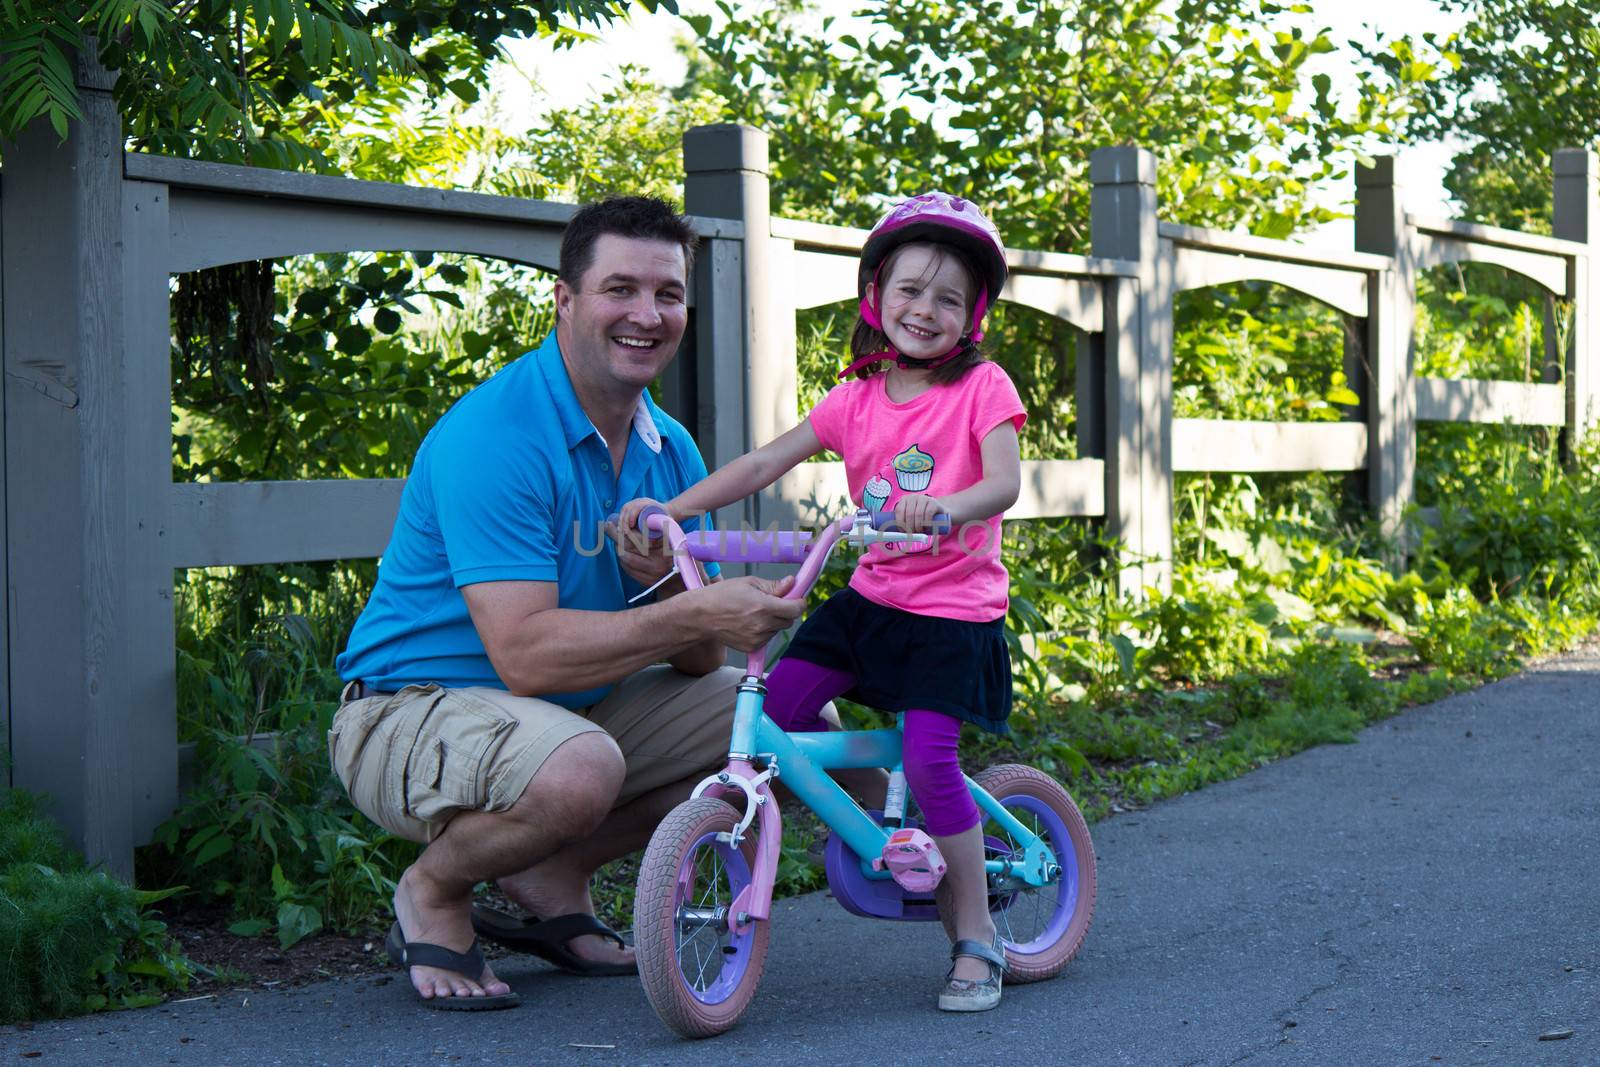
x=914, y=512
x=628, y=517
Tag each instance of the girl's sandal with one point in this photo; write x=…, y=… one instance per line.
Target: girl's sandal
x=964, y=995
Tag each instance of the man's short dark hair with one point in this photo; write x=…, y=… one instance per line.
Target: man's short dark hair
x=647, y=217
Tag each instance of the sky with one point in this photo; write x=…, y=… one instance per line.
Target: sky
x=567, y=78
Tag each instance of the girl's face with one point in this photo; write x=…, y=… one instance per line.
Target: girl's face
x=926, y=301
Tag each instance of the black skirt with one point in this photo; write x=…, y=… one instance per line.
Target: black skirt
x=903, y=661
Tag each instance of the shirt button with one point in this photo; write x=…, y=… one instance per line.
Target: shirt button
x=605, y=466
x=608, y=502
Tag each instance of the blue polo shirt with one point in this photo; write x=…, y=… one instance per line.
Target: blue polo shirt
x=512, y=484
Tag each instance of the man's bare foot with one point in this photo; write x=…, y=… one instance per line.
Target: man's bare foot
x=428, y=915
x=549, y=894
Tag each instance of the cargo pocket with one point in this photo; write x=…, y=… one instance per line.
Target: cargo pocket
x=448, y=769
x=348, y=735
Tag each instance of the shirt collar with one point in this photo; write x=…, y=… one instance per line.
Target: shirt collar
x=575, y=424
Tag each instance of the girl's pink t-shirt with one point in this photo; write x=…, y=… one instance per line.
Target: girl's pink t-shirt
x=930, y=444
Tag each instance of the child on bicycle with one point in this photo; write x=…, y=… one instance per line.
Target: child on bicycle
x=926, y=426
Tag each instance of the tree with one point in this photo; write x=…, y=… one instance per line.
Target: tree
x=218, y=79
x=1003, y=101
x=1522, y=79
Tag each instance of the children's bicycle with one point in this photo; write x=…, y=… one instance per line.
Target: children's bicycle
x=702, y=915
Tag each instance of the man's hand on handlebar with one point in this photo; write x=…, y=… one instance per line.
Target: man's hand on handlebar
x=644, y=560
x=744, y=613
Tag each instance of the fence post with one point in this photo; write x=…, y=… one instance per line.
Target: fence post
x=1138, y=369
x=725, y=176
x=1389, y=401
x=65, y=426
x=1576, y=174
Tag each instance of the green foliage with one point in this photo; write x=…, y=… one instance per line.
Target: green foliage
x=1517, y=83
x=266, y=826
x=229, y=80
x=74, y=940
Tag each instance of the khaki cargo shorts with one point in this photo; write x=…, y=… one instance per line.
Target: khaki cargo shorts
x=411, y=760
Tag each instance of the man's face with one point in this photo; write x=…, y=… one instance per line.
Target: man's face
x=624, y=320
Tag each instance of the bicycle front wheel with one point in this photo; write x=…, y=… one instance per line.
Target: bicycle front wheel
x=1043, y=926
x=699, y=971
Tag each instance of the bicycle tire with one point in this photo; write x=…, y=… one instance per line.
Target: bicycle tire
x=1062, y=911
x=698, y=973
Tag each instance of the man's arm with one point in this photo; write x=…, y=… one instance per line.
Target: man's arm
x=538, y=648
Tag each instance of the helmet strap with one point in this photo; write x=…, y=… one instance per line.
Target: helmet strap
x=870, y=315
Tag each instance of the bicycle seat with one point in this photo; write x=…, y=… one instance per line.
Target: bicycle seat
x=749, y=546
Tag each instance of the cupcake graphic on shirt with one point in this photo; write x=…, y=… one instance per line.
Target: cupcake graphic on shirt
x=913, y=469
x=875, y=494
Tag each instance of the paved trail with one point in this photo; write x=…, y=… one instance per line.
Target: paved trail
x=1426, y=896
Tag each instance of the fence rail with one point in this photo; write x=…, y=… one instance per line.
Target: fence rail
x=89, y=238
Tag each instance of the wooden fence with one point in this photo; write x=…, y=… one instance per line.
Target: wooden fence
x=95, y=527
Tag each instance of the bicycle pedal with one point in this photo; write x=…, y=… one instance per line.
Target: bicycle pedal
x=913, y=860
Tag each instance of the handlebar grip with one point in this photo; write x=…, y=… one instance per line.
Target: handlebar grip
x=650, y=511
x=884, y=520
x=651, y=530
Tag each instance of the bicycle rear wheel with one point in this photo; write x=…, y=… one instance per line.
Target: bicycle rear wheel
x=699, y=971
x=1043, y=926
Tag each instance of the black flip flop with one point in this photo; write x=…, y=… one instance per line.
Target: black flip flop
x=548, y=939
x=469, y=964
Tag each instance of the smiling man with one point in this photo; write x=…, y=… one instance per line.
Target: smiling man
x=505, y=705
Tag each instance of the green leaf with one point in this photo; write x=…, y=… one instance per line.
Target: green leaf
x=296, y=922
x=249, y=927
x=220, y=845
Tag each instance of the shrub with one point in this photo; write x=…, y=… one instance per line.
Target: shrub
x=73, y=939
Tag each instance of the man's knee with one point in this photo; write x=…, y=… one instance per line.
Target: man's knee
x=576, y=786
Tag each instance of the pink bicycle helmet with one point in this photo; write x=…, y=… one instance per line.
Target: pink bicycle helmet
x=945, y=219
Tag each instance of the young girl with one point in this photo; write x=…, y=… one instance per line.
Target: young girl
x=927, y=426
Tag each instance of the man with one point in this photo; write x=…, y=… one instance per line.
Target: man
x=502, y=707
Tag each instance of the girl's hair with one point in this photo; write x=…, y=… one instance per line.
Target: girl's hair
x=868, y=340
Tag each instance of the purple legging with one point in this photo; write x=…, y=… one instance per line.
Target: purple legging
x=796, y=692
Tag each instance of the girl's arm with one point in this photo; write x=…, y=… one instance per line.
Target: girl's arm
x=750, y=473
x=996, y=491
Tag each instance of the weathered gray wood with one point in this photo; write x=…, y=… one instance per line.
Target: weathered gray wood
x=150, y=695
x=821, y=278
x=1434, y=250
x=1246, y=446
x=1076, y=301
x=353, y=192
x=725, y=176
x=1477, y=233
x=1227, y=242
x=1577, y=219
x=1486, y=401
x=65, y=434
x=211, y=228
x=213, y=524
x=1381, y=229
x=1138, y=380
x=1197, y=268
x=822, y=237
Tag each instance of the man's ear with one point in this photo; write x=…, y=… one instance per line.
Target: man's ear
x=564, y=298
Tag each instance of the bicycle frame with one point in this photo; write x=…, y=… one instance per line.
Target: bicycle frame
x=802, y=760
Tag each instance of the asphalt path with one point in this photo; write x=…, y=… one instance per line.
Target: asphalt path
x=1428, y=895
